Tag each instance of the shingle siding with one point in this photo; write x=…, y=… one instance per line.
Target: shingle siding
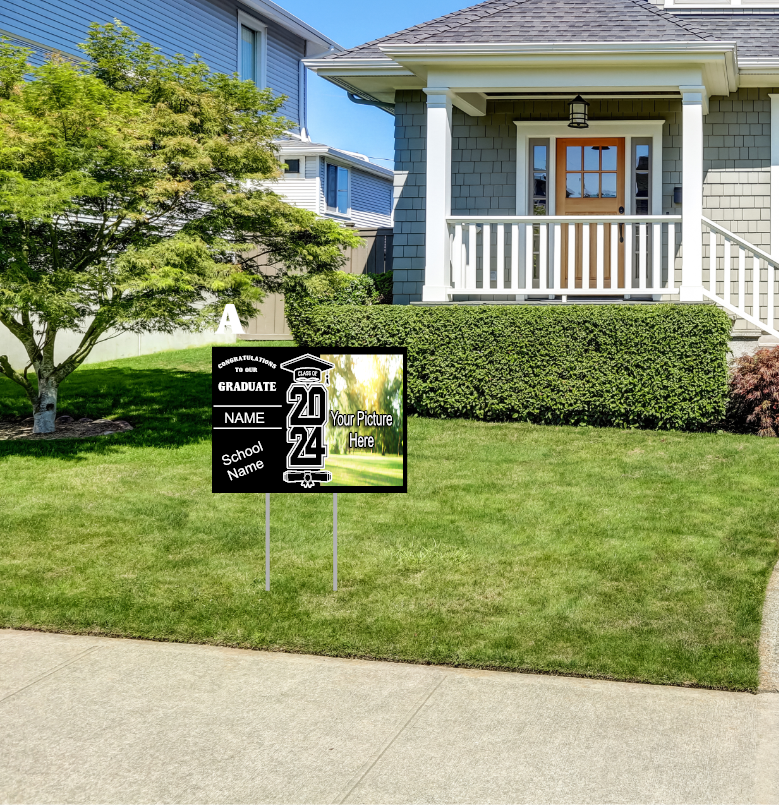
x=408, y=253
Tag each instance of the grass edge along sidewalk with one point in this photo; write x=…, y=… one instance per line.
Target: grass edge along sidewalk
x=634, y=555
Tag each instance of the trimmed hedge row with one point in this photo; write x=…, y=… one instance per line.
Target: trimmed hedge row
x=647, y=366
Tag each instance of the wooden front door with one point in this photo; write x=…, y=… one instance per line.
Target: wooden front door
x=591, y=181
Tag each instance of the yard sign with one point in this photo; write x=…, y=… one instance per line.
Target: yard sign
x=294, y=420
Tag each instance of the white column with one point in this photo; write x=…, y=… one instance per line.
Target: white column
x=694, y=106
x=438, y=194
x=774, y=175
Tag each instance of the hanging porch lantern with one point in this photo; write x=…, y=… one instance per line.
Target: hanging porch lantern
x=578, y=113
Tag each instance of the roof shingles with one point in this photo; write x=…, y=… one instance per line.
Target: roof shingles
x=528, y=21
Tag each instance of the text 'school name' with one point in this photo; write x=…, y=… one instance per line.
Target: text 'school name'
x=247, y=385
x=240, y=455
x=373, y=420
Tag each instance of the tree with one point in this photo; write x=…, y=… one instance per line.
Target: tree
x=128, y=202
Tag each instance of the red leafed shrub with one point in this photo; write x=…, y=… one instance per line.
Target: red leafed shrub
x=754, y=392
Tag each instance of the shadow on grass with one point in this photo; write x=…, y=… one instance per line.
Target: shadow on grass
x=168, y=408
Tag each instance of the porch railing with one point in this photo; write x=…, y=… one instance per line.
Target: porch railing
x=594, y=255
x=740, y=277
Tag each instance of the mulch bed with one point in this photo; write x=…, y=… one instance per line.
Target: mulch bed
x=66, y=427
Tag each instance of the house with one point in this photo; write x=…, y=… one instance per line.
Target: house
x=256, y=38
x=336, y=184
x=562, y=151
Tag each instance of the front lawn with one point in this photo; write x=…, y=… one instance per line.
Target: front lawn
x=624, y=554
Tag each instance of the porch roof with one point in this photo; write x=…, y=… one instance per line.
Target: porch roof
x=530, y=21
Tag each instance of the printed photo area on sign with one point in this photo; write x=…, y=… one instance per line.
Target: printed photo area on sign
x=365, y=433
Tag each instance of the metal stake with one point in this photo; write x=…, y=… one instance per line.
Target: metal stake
x=267, y=541
x=335, y=540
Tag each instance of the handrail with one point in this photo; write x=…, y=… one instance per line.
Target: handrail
x=745, y=244
x=564, y=219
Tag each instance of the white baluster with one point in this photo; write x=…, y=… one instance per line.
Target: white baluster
x=726, y=272
x=457, y=248
x=599, y=256
x=628, y=244
x=657, y=256
x=486, y=256
x=642, y=256
x=614, y=240
x=712, y=261
x=756, y=286
x=528, y=256
x=558, y=255
x=671, y=256
x=471, y=283
x=514, y=276
x=771, y=280
x=571, y=256
x=742, y=277
x=585, y=255
x=501, y=257
x=543, y=262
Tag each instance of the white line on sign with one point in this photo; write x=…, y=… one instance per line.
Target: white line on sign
x=245, y=406
x=245, y=428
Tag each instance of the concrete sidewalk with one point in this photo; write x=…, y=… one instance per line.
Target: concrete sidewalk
x=86, y=719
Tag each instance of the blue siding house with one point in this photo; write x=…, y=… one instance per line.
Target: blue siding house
x=255, y=38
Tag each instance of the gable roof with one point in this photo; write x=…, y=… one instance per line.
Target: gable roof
x=540, y=21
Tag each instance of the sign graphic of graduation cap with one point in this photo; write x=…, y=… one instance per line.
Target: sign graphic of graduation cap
x=308, y=369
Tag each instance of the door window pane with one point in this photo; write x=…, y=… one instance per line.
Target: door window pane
x=539, y=157
x=539, y=185
x=573, y=158
x=608, y=185
x=591, y=185
x=248, y=54
x=573, y=185
x=608, y=158
x=591, y=158
x=642, y=185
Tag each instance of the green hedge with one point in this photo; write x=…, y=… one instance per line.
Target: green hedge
x=648, y=366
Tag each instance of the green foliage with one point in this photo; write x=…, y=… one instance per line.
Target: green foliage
x=754, y=393
x=340, y=288
x=128, y=200
x=648, y=366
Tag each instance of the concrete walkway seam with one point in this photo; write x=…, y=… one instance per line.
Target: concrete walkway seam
x=374, y=759
x=49, y=673
x=769, y=637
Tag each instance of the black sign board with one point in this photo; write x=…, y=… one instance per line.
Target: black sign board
x=294, y=420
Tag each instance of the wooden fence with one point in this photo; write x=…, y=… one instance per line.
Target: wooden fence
x=375, y=257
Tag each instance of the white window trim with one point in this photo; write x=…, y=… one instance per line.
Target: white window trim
x=301, y=172
x=333, y=211
x=262, y=50
x=554, y=129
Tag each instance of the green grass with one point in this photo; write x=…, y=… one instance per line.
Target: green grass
x=365, y=470
x=622, y=554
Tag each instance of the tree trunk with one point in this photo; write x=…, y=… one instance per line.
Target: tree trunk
x=45, y=405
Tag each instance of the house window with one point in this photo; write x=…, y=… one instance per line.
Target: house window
x=251, y=49
x=539, y=199
x=337, y=188
x=642, y=167
x=293, y=165
x=539, y=174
